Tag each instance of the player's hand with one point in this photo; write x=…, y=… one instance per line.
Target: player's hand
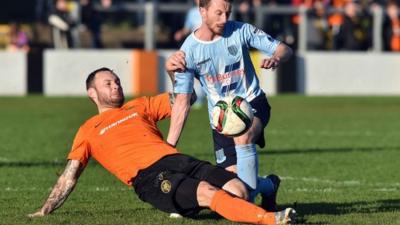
x=36, y=214
x=176, y=62
x=270, y=63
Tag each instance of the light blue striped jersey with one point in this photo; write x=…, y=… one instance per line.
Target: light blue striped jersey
x=223, y=66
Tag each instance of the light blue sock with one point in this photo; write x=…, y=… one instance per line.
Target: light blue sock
x=247, y=165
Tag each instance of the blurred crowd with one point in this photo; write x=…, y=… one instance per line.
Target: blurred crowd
x=331, y=24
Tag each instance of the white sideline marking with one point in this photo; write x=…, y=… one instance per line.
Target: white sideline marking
x=333, y=190
x=386, y=189
x=343, y=183
x=330, y=133
x=377, y=187
x=2, y=159
x=323, y=190
x=317, y=180
x=97, y=189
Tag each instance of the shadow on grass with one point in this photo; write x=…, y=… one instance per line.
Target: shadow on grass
x=207, y=215
x=325, y=150
x=361, y=207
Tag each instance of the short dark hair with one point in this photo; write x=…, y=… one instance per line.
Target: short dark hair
x=92, y=75
x=206, y=3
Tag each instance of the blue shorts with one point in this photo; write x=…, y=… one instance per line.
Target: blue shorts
x=224, y=147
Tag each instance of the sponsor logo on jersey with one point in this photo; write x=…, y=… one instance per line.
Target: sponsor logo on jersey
x=202, y=62
x=229, y=72
x=222, y=77
x=257, y=31
x=105, y=129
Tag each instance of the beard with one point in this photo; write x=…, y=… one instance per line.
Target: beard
x=112, y=101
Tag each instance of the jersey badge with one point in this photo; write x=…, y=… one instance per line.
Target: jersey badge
x=166, y=186
x=232, y=50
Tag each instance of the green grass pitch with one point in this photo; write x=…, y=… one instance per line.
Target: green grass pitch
x=339, y=158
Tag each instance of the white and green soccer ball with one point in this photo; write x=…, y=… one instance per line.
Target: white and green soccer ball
x=232, y=116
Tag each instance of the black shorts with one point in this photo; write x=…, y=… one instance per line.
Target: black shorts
x=224, y=147
x=171, y=183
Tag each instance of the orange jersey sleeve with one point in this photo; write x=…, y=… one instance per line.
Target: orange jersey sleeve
x=80, y=148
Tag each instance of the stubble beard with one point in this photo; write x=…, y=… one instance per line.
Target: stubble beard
x=112, y=103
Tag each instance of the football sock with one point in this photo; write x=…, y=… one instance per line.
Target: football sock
x=247, y=164
x=265, y=186
x=247, y=167
x=239, y=210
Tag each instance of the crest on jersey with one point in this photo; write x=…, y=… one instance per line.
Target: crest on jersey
x=232, y=50
x=166, y=186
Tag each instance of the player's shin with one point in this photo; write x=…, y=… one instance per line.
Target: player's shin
x=247, y=167
x=239, y=210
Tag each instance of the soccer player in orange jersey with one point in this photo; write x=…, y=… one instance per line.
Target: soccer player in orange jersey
x=125, y=140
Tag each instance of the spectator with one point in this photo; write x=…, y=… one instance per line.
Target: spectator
x=278, y=25
x=355, y=32
x=246, y=11
x=391, y=28
x=292, y=37
x=18, y=39
x=335, y=20
x=93, y=20
x=62, y=22
x=192, y=21
x=318, y=28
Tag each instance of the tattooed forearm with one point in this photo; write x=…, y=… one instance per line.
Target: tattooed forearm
x=63, y=187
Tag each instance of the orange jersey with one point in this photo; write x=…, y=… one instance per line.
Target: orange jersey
x=125, y=140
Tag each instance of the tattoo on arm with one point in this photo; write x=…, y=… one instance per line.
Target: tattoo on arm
x=64, y=186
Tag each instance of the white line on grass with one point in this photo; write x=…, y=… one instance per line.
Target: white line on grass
x=96, y=189
x=3, y=159
x=342, y=183
x=331, y=133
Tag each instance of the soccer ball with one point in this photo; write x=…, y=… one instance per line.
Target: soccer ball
x=232, y=116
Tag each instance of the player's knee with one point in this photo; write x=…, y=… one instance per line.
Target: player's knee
x=237, y=188
x=252, y=134
x=249, y=137
x=243, y=139
x=205, y=192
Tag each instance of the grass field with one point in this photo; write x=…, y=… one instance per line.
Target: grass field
x=339, y=158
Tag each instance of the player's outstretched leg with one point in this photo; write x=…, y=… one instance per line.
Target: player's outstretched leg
x=237, y=209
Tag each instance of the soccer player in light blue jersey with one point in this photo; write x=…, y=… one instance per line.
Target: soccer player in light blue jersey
x=217, y=54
